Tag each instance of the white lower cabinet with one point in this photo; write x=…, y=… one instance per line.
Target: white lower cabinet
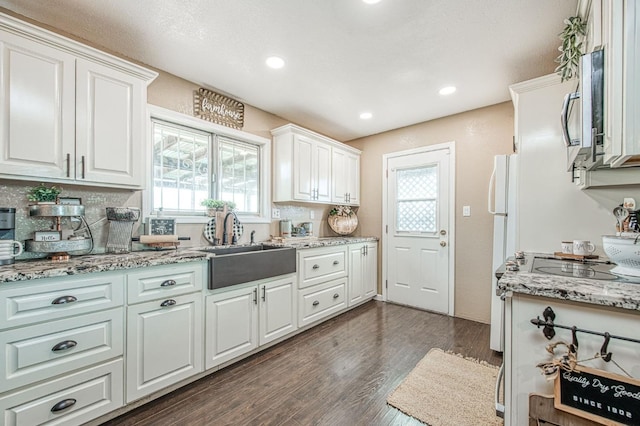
x=164, y=343
x=231, y=324
x=72, y=399
x=239, y=320
x=363, y=272
x=164, y=326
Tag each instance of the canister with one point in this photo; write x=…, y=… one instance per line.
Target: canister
x=285, y=228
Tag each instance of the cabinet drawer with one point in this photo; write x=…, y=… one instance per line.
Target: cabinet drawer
x=322, y=265
x=41, y=351
x=163, y=281
x=30, y=302
x=321, y=301
x=96, y=391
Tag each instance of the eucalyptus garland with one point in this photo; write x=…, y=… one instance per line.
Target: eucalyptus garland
x=571, y=49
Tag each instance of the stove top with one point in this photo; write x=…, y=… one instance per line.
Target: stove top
x=578, y=269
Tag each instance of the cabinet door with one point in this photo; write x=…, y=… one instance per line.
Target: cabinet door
x=231, y=324
x=352, y=178
x=322, y=172
x=277, y=309
x=37, y=109
x=110, y=126
x=303, y=182
x=356, y=278
x=370, y=271
x=164, y=343
x=345, y=177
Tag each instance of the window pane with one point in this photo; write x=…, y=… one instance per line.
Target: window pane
x=180, y=168
x=239, y=174
x=417, y=199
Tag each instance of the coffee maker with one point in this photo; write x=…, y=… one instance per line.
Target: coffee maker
x=7, y=228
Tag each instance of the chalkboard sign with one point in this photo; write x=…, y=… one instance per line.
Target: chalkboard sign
x=598, y=395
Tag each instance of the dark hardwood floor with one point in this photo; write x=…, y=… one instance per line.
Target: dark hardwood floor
x=338, y=373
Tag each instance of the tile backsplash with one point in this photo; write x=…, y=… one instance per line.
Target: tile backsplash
x=13, y=193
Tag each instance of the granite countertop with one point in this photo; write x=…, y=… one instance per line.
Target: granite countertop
x=23, y=270
x=615, y=294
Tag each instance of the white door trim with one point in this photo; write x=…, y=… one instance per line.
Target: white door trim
x=452, y=213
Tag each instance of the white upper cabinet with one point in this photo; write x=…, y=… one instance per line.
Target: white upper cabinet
x=345, y=176
x=304, y=169
x=68, y=112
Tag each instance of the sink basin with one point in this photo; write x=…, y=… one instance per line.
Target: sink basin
x=242, y=264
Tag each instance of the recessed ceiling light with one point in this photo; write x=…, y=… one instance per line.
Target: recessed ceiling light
x=275, y=62
x=447, y=90
x=371, y=1
x=365, y=115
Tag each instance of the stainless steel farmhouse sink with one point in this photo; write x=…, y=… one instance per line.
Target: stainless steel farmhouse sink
x=242, y=264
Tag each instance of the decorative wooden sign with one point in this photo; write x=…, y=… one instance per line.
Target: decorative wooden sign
x=606, y=398
x=219, y=109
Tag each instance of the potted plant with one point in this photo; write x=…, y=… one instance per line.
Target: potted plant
x=44, y=194
x=216, y=205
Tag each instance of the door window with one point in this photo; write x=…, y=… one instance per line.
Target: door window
x=417, y=199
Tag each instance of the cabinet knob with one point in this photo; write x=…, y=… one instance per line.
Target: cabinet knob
x=63, y=405
x=336, y=262
x=315, y=303
x=335, y=296
x=168, y=283
x=64, y=299
x=316, y=266
x=168, y=302
x=63, y=346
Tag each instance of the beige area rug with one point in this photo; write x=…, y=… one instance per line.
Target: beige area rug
x=448, y=390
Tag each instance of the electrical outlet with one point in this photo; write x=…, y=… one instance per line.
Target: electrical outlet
x=312, y=214
x=275, y=213
x=466, y=210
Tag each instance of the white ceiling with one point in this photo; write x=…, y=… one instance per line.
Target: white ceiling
x=342, y=57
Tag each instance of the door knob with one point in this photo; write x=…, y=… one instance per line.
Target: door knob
x=443, y=243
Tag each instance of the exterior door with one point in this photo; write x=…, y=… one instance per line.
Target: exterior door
x=417, y=229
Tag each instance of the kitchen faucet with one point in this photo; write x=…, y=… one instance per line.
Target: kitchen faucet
x=253, y=234
x=234, y=238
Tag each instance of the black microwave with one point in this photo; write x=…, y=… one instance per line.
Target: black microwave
x=583, y=115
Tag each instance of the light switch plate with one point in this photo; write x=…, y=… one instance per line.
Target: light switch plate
x=466, y=210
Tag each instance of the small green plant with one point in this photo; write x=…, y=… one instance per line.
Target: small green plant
x=571, y=49
x=43, y=193
x=341, y=211
x=210, y=203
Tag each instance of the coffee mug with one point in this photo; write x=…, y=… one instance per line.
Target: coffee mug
x=567, y=247
x=583, y=247
x=10, y=248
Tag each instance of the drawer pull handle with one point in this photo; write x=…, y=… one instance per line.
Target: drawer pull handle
x=64, y=299
x=316, y=303
x=316, y=266
x=335, y=296
x=335, y=262
x=168, y=283
x=168, y=302
x=63, y=405
x=63, y=346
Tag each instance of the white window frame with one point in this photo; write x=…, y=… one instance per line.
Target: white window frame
x=156, y=112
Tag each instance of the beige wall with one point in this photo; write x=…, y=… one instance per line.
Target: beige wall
x=478, y=135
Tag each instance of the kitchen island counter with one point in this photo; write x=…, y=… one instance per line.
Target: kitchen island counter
x=615, y=294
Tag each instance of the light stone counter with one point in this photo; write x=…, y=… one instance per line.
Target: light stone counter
x=44, y=268
x=23, y=270
x=606, y=293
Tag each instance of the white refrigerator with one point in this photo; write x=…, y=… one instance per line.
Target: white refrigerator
x=502, y=205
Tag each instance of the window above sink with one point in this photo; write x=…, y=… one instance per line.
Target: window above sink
x=193, y=159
